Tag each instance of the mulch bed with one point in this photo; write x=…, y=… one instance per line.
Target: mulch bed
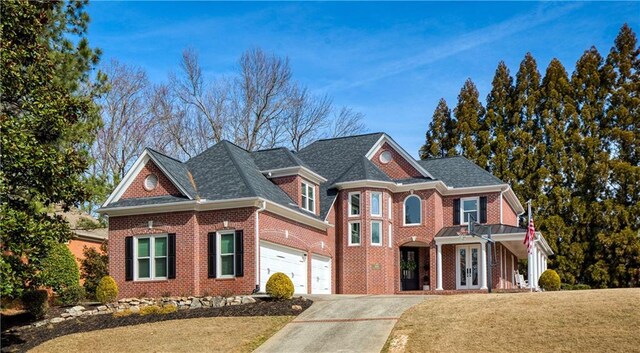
x=26, y=339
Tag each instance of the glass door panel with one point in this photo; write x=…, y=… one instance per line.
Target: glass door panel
x=462, y=258
x=474, y=266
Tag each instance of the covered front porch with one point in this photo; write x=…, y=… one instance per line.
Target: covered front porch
x=482, y=262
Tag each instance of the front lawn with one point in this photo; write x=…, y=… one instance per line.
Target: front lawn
x=605, y=320
x=219, y=334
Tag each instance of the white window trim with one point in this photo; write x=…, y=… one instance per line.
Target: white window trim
x=310, y=205
x=359, y=206
x=404, y=212
x=381, y=235
x=477, y=199
x=389, y=234
x=152, y=250
x=389, y=207
x=219, y=253
x=359, y=231
x=379, y=203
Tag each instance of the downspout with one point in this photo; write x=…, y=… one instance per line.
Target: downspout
x=263, y=205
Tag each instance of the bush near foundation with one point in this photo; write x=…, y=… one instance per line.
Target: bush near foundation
x=107, y=291
x=549, y=280
x=279, y=286
x=36, y=302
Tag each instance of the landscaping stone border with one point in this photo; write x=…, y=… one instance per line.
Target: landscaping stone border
x=135, y=304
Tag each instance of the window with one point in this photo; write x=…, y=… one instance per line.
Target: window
x=354, y=233
x=376, y=233
x=376, y=204
x=151, y=257
x=469, y=208
x=150, y=182
x=226, y=260
x=354, y=204
x=389, y=235
x=412, y=210
x=389, y=207
x=385, y=157
x=308, y=197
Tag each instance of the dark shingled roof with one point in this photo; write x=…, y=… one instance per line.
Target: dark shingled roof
x=495, y=229
x=459, y=172
x=144, y=201
x=331, y=158
x=362, y=170
x=276, y=158
x=178, y=170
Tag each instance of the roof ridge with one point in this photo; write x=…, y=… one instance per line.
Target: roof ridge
x=237, y=166
x=344, y=137
x=162, y=154
x=269, y=149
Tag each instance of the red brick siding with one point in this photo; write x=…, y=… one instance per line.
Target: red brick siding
x=164, y=187
x=398, y=168
x=509, y=216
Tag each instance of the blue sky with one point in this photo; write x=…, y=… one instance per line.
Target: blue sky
x=390, y=61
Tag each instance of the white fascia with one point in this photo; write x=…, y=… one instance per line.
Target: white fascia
x=299, y=170
x=384, y=138
x=295, y=215
x=133, y=172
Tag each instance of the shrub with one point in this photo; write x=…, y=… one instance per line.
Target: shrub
x=107, y=290
x=94, y=266
x=581, y=286
x=35, y=301
x=549, y=280
x=123, y=313
x=72, y=295
x=279, y=286
x=59, y=269
x=157, y=310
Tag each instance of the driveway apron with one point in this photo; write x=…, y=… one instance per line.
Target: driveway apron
x=342, y=323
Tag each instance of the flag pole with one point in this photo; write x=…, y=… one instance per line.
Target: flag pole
x=529, y=254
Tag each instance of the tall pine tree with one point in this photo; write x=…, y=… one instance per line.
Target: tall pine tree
x=496, y=122
x=468, y=114
x=440, y=139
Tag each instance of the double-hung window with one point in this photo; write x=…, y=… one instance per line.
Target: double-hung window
x=376, y=233
x=389, y=207
x=469, y=209
x=376, y=204
x=354, y=233
x=354, y=204
x=412, y=210
x=226, y=258
x=151, y=257
x=308, y=197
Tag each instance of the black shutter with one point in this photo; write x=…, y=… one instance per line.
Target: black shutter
x=483, y=209
x=128, y=258
x=456, y=211
x=211, y=255
x=239, y=254
x=171, y=257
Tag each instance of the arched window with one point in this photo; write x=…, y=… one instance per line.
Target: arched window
x=412, y=210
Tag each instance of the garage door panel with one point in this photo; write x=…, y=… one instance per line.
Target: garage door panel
x=292, y=262
x=320, y=274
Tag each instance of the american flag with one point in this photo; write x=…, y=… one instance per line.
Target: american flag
x=528, y=238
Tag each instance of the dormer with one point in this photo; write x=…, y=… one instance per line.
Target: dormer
x=394, y=161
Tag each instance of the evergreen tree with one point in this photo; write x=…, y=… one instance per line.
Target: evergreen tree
x=525, y=133
x=47, y=121
x=440, y=141
x=468, y=114
x=496, y=122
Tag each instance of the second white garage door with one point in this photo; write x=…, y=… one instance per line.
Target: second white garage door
x=320, y=274
x=277, y=258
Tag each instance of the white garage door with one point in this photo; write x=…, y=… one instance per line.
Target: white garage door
x=320, y=274
x=277, y=258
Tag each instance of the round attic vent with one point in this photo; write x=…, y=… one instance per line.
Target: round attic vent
x=385, y=157
x=150, y=182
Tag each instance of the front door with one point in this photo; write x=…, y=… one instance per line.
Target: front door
x=468, y=266
x=409, y=268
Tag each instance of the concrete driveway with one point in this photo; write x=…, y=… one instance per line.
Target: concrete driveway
x=342, y=323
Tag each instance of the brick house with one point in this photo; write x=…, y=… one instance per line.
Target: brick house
x=345, y=215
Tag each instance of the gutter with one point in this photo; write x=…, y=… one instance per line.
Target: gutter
x=263, y=206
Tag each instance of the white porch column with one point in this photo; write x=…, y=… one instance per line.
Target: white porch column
x=540, y=262
x=483, y=271
x=530, y=274
x=439, y=267
x=535, y=266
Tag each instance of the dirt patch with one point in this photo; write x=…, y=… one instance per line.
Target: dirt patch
x=23, y=340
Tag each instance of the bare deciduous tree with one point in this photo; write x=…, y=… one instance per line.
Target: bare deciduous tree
x=347, y=122
x=126, y=122
x=308, y=117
